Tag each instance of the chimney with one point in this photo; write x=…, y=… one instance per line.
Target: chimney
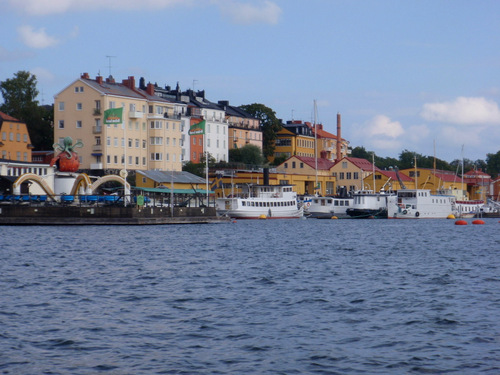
x=150, y=89
x=339, y=137
x=266, y=176
x=98, y=79
x=320, y=126
x=85, y=76
x=110, y=79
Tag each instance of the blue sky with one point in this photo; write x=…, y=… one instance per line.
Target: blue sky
x=404, y=74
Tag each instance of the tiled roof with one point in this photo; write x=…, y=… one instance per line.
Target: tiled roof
x=118, y=89
x=6, y=117
x=362, y=164
x=323, y=164
x=393, y=175
x=447, y=177
x=177, y=176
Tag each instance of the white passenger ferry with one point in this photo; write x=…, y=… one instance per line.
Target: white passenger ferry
x=261, y=202
x=421, y=204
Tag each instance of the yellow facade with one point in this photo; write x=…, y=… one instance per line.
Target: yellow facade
x=351, y=172
x=387, y=180
x=436, y=180
x=15, y=142
x=289, y=144
x=148, y=138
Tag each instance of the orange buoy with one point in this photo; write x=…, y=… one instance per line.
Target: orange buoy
x=460, y=222
x=478, y=221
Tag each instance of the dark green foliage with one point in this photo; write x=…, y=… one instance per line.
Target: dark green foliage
x=248, y=154
x=269, y=125
x=19, y=95
x=493, y=164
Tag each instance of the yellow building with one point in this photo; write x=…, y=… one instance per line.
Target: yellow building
x=388, y=180
x=351, y=172
x=15, y=143
x=295, y=138
x=243, y=128
x=327, y=144
x=301, y=172
x=149, y=136
x=437, y=180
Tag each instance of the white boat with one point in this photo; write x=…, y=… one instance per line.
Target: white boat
x=367, y=204
x=421, y=204
x=470, y=209
x=327, y=207
x=261, y=201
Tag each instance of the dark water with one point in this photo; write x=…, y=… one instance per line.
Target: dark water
x=254, y=297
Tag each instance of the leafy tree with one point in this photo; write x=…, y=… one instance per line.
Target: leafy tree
x=248, y=154
x=360, y=152
x=19, y=94
x=269, y=125
x=279, y=160
x=493, y=164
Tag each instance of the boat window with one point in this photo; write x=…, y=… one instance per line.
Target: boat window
x=347, y=203
x=329, y=201
x=243, y=203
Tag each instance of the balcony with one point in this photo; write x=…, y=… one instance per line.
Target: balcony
x=96, y=148
x=97, y=111
x=96, y=129
x=135, y=114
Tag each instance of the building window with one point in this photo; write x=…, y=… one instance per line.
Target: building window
x=25, y=138
x=137, y=160
x=130, y=143
x=116, y=159
x=344, y=164
x=79, y=106
x=156, y=156
x=137, y=144
x=356, y=176
x=144, y=143
x=301, y=165
x=348, y=175
x=61, y=124
x=341, y=175
x=143, y=160
x=97, y=141
x=61, y=106
x=78, y=124
x=293, y=165
x=286, y=165
x=115, y=141
x=18, y=137
x=194, y=141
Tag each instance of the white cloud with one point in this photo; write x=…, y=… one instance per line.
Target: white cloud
x=382, y=125
x=36, y=38
x=46, y=7
x=463, y=111
x=247, y=13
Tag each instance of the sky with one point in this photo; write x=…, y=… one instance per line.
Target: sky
x=416, y=75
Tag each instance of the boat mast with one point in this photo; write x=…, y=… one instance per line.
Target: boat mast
x=373, y=171
x=315, y=150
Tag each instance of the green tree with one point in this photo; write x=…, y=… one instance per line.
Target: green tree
x=269, y=125
x=360, y=152
x=19, y=95
x=248, y=154
x=493, y=164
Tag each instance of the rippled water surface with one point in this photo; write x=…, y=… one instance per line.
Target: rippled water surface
x=252, y=297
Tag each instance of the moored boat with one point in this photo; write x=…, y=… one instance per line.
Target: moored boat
x=368, y=204
x=421, y=204
x=327, y=207
x=261, y=201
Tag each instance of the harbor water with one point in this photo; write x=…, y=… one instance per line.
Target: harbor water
x=252, y=297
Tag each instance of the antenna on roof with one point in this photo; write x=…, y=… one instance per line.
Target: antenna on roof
x=109, y=63
x=194, y=81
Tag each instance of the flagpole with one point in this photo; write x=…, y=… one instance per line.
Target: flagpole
x=206, y=161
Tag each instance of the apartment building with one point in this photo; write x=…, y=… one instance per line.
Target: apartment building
x=216, y=125
x=149, y=136
x=15, y=142
x=244, y=129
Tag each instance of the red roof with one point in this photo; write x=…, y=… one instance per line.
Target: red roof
x=362, y=164
x=393, y=176
x=473, y=173
x=448, y=177
x=323, y=164
x=6, y=117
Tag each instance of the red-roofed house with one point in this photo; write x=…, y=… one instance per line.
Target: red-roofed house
x=351, y=172
x=478, y=184
x=327, y=143
x=301, y=172
x=437, y=180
